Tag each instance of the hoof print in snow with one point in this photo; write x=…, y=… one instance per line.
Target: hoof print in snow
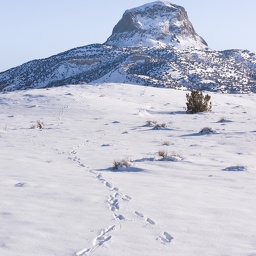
x=235, y=169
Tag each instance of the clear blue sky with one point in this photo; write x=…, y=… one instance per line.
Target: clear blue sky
x=34, y=29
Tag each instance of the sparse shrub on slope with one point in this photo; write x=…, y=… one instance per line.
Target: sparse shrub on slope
x=197, y=102
x=164, y=156
x=206, y=130
x=125, y=163
x=151, y=123
x=166, y=143
x=162, y=153
x=39, y=124
x=160, y=126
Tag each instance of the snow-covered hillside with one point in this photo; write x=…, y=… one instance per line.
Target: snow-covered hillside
x=60, y=195
x=232, y=71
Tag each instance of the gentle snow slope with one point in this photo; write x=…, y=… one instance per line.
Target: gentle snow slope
x=61, y=197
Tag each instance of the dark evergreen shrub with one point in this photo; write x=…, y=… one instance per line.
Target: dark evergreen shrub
x=197, y=102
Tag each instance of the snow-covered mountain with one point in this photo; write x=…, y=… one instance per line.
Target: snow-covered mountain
x=154, y=44
x=156, y=24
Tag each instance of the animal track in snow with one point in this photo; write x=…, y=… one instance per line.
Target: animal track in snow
x=113, y=202
x=99, y=177
x=139, y=214
x=82, y=252
x=75, y=159
x=107, y=184
x=120, y=217
x=82, y=165
x=126, y=198
x=102, y=238
x=20, y=184
x=148, y=220
x=166, y=238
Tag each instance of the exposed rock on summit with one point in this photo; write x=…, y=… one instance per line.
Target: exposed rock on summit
x=156, y=24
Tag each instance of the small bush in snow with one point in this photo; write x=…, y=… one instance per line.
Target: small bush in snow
x=162, y=153
x=164, y=156
x=160, y=126
x=125, y=163
x=39, y=124
x=151, y=123
x=222, y=120
x=166, y=143
x=206, y=130
x=155, y=125
x=197, y=102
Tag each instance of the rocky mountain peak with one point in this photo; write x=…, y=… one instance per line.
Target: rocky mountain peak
x=178, y=58
x=158, y=23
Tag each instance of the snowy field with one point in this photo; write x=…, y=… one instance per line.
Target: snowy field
x=60, y=195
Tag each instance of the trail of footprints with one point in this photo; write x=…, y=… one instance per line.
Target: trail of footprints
x=114, y=199
x=148, y=220
x=97, y=242
x=61, y=113
x=113, y=203
x=166, y=238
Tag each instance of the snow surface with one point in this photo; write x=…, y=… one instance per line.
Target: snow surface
x=60, y=195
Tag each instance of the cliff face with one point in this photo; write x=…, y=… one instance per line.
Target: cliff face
x=156, y=24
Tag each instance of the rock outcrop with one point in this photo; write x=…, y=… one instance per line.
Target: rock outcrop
x=156, y=24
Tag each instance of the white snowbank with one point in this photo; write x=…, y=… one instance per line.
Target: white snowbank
x=60, y=195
